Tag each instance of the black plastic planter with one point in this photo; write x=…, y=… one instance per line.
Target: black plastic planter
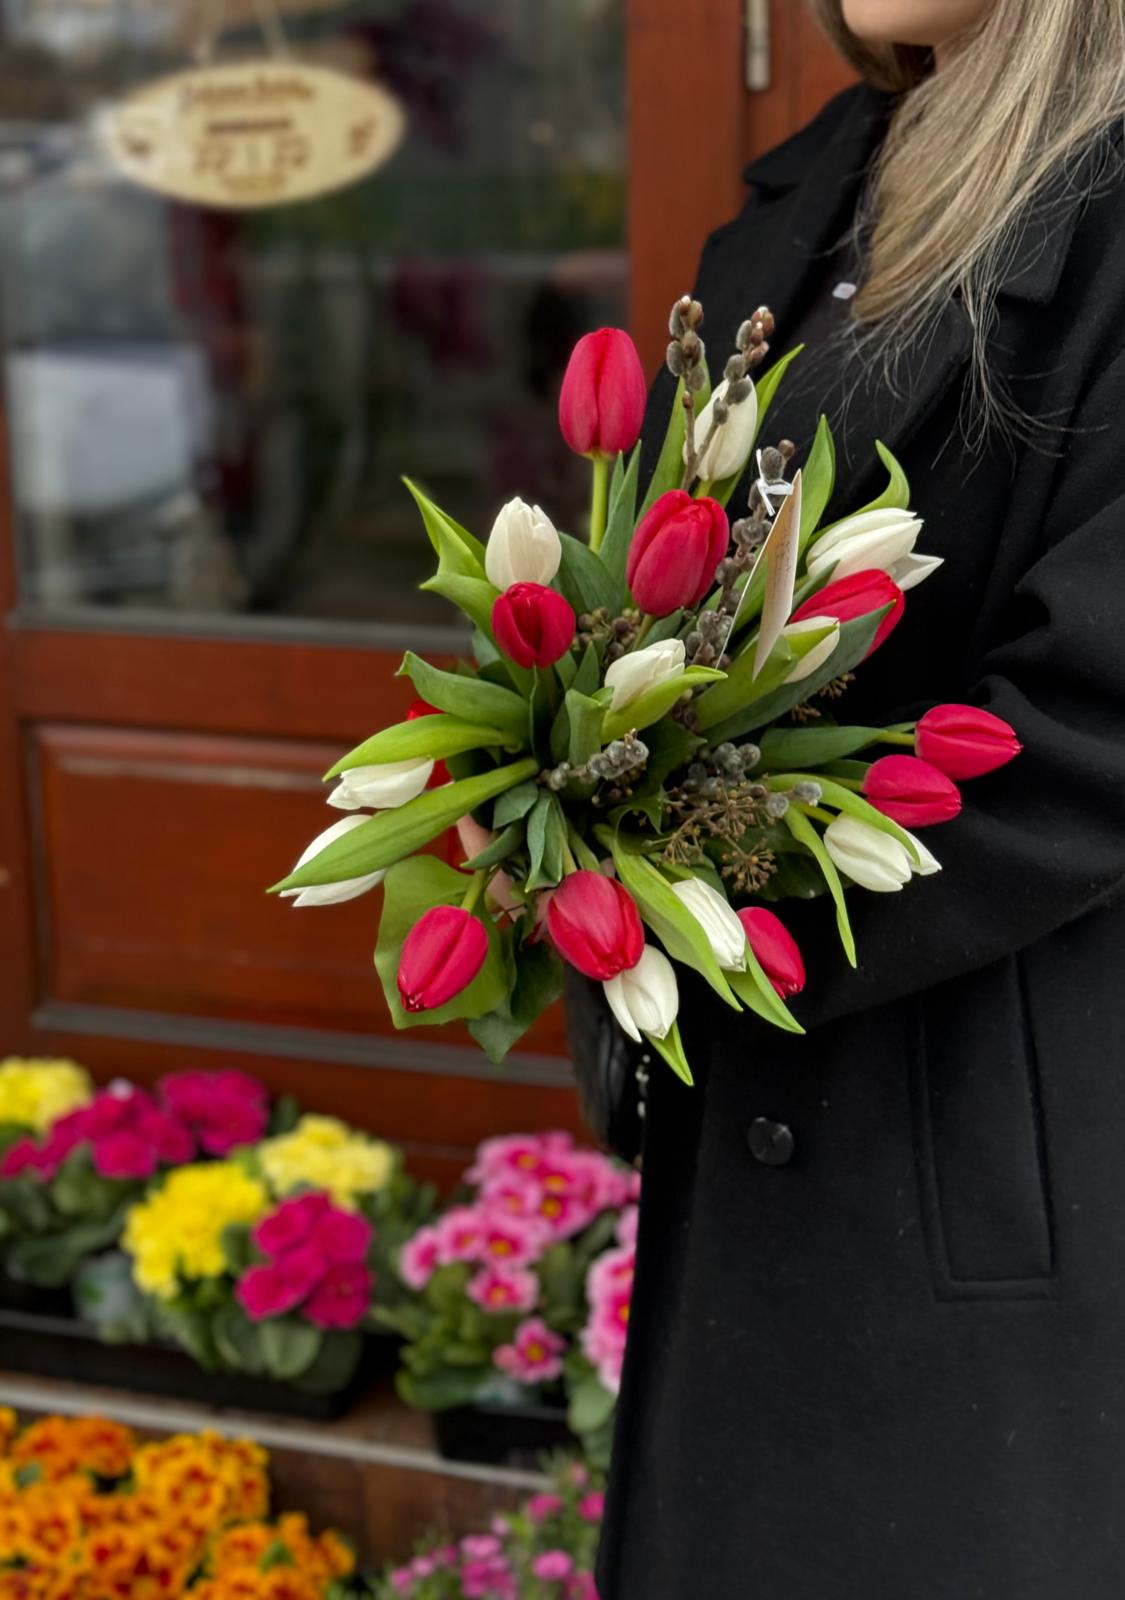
x=500, y=1434
x=54, y=1346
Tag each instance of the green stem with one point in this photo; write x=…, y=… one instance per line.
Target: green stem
x=475, y=890
x=546, y=676
x=599, y=502
x=855, y=784
x=642, y=632
x=815, y=811
x=703, y=487
x=906, y=739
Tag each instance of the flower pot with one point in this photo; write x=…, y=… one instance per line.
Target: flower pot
x=61, y=1346
x=502, y=1433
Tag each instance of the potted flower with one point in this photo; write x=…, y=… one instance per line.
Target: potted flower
x=498, y=1296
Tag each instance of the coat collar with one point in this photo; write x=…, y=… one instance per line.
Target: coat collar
x=811, y=187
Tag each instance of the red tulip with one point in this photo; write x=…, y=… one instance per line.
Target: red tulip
x=677, y=546
x=602, y=402
x=911, y=792
x=423, y=708
x=965, y=742
x=775, y=948
x=441, y=955
x=533, y=625
x=595, y=925
x=854, y=597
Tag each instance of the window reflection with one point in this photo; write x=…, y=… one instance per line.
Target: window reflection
x=211, y=411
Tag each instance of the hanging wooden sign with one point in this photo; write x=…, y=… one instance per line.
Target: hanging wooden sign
x=252, y=133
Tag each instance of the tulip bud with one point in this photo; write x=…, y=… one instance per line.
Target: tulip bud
x=719, y=922
x=602, y=400
x=869, y=857
x=911, y=792
x=870, y=540
x=965, y=742
x=533, y=625
x=594, y=924
x=927, y=863
x=523, y=546
x=775, y=949
x=729, y=450
x=423, y=708
x=332, y=894
x=646, y=998
x=389, y=784
x=857, y=596
x=820, y=653
x=441, y=955
x=913, y=570
x=630, y=675
x=673, y=555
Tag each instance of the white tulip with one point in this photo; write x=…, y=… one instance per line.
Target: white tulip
x=927, y=863
x=725, y=934
x=646, y=998
x=871, y=858
x=819, y=653
x=871, y=539
x=729, y=450
x=630, y=675
x=391, y=783
x=332, y=894
x=523, y=546
x=913, y=570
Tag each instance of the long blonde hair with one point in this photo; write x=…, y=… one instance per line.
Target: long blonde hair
x=970, y=146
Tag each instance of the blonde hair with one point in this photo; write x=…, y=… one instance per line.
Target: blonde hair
x=970, y=146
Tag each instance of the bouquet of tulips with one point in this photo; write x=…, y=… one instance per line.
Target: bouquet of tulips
x=643, y=739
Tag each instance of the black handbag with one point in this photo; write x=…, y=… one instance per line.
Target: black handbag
x=610, y=1070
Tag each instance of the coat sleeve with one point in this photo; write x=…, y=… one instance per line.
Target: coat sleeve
x=1042, y=842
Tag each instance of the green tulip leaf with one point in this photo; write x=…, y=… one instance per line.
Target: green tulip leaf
x=411, y=889
x=456, y=549
x=584, y=580
x=474, y=596
x=818, y=479
x=546, y=842
x=656, y=702
x=804, y=833
x=506, y=843
x=431, y=737
x=538, y=984
x=788, y=748
x=614, y=552
x=737, y=696
x=896, y=496
x=470, y=698
x=671, y=1049
x=758, y=994
x=669, y=470
x=389, y=835
x=515, y=803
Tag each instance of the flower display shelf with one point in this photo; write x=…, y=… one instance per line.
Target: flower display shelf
x=55, y=1344
x=502, y=1433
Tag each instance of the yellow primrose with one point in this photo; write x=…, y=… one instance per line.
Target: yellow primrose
x=177, y=1232
x=35, y=1094
x=324, y=1153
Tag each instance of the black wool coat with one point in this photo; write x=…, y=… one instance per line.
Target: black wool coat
x=877, y=1346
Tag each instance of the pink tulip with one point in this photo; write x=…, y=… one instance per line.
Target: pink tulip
x=673, y=555
x=341, y=1298
x=595, y=925
x=965, y=742
x=911, y=792
x=441, y=955
x=533, y=625
x=602, y=401
x=775, y=948
x=856, y=596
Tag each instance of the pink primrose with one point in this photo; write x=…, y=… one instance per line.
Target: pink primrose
x=512, y=1241
x=504, y=1289
x=343, y=1236
x=266, y=1291
x=542, y=1506
x=553, y=1566
x=342, y=1296
x=535, y=1354
x=291, y=1223
x=626, y=1230
x=123, y=1154
x=419, y=1258
x=460, y=1235
x=591, y=1507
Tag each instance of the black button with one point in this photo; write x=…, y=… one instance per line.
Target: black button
x=770, y=1142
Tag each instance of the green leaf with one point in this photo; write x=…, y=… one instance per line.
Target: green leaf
x=515, y=803
x=289, y=1346
x=851, y=804
x=588, y=678
x=538, y=984
x=590, y=1406
x=757, y=993
x=584, y=721
x=239, y=1341
x=768, y=385
x=473, y=699
x=410, y=889
x=454, y=547
x=897, y=493
x=855, y=641
x=546, y=839
x=669, y=469
x=667, y=916
x=737, y=697
x=334, y=1364
x=621, y=522
x=818, y=479
x=671, y=1048
x=583, y=579
x=804, y=832
x=389, y=835
x=474, y=596
x=429, y=737
x=811, y=747
x=238, y=1247
x=654, y=703
x=440, y=1391
x=506, y=843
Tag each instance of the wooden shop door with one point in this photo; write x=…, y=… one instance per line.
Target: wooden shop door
x=208, y=565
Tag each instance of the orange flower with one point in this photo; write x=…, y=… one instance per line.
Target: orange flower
x=9, y=1427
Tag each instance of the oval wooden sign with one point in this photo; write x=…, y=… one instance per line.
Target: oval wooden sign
x=252, y=133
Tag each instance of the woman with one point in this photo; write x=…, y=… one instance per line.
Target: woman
x=878, y=1336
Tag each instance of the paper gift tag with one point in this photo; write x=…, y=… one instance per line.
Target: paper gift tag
x=779, y=553
x=252, y=133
